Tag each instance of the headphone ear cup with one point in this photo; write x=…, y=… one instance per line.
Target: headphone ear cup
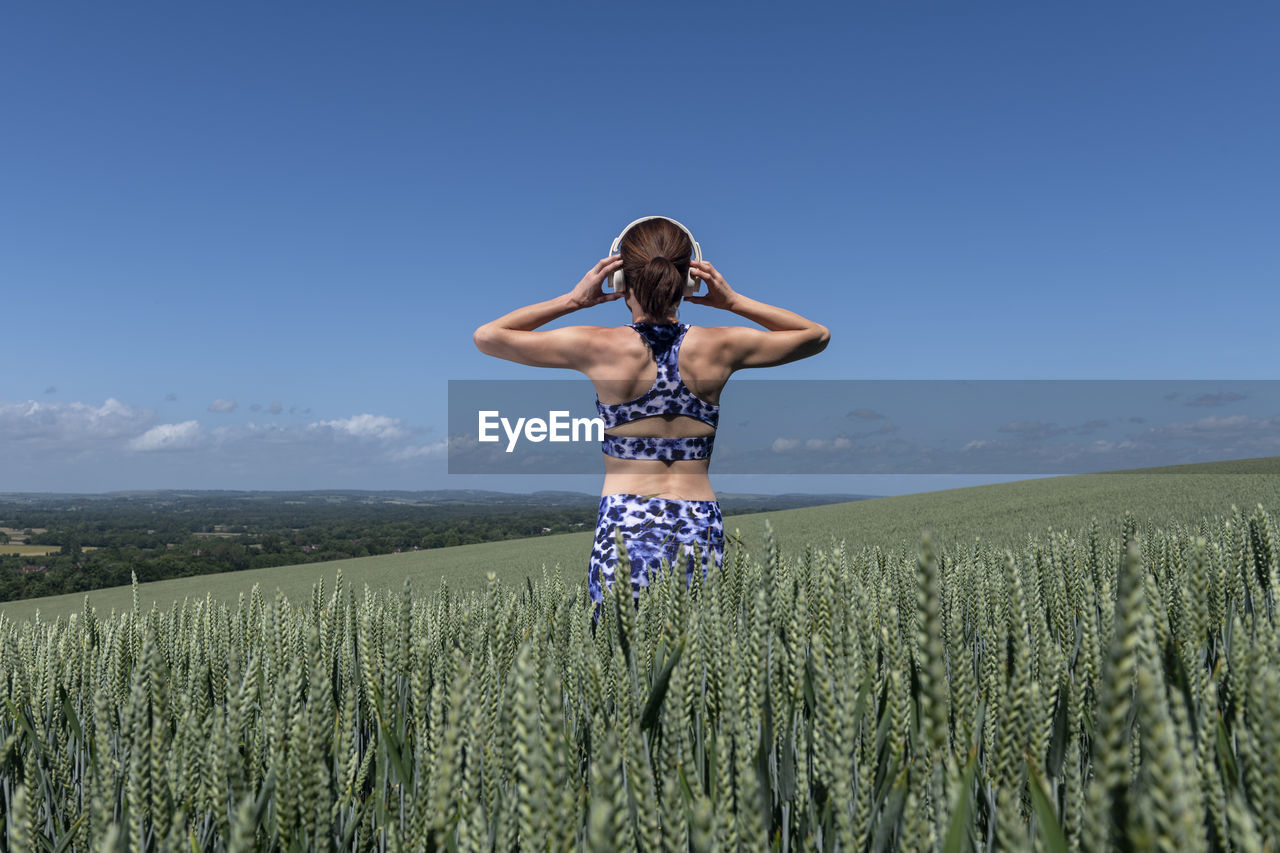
x=618, y=281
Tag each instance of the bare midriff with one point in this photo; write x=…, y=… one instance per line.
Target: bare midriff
x=682, y=480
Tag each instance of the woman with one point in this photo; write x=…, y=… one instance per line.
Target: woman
x=658, y=385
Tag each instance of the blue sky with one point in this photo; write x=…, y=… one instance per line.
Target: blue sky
x=245, y=245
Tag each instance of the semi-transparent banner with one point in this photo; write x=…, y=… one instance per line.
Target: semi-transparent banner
x=1041, y=426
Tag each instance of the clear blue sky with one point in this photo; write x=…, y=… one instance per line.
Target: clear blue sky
x=244, y=245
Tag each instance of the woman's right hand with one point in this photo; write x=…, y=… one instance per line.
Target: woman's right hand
x=589, y=292
x=719, y=293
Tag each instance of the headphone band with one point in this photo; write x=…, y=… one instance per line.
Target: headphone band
x=617, y=241
x=691, y=283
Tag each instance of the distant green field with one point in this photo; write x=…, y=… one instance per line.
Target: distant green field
x=1000, y=513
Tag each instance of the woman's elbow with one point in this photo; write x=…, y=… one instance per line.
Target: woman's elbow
x=822, y=336
x=483, y=338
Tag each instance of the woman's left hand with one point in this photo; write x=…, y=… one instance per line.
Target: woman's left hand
x=589, y=292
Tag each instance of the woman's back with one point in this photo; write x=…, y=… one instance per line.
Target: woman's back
x=631, y=367
x=659, y=382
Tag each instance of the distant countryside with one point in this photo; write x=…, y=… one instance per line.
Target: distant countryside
x=57, y=544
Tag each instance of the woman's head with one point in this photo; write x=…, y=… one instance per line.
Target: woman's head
x=655, y=260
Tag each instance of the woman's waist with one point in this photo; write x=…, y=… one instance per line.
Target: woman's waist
x=681, y=480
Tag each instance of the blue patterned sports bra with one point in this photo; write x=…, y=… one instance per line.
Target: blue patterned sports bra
x=667, y=396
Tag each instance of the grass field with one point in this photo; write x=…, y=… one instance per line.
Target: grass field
x=999, y=513
x=29, y=550
x=37, y=550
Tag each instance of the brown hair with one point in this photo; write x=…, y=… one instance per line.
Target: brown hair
x=655, y=260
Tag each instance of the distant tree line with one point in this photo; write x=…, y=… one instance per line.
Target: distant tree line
x=101, y=543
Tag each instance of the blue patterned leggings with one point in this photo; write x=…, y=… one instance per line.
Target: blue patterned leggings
x=653, y=529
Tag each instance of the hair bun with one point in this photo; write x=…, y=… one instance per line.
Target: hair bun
x=655, y=255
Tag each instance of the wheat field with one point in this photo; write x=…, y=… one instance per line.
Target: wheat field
x=1078, y=692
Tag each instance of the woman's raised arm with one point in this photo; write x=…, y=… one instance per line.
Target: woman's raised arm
x=511, y=336
x=790, y=336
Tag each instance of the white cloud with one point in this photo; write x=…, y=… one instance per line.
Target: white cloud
x=275, y=408
x=1217, y=422
x=1217, y=427
x=840, y=443
x=74, y=424
x=81, y=446
x=404, y=454
x=782, y=445
x=222, y=406
x=168, y=437
x=366, y=426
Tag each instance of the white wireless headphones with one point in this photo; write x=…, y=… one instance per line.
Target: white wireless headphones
x=618, y=281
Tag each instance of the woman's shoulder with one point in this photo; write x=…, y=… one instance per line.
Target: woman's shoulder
x=598, y=332
x=717, y=334
x=720, y=329
x=710, y=343
x=606, y=341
